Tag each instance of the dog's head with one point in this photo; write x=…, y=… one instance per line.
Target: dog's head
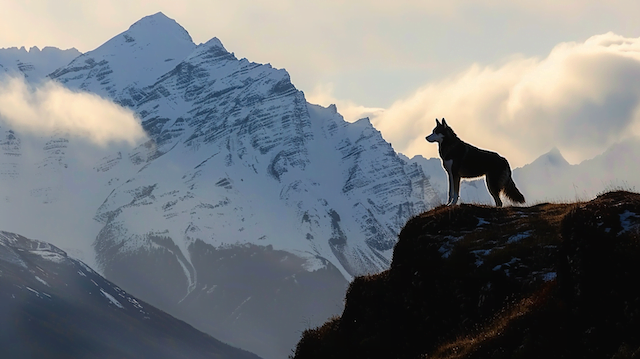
x=439, y=132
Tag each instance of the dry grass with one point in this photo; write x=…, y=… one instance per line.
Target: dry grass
x=465, y=346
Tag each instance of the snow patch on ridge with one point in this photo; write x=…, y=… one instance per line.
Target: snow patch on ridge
x=111, y=299
x=50, y=256
x=626, y=220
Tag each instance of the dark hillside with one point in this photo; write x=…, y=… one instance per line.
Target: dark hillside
x=53, y=306
x=552, y=280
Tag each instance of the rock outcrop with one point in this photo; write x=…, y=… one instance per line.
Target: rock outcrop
x=551, y=280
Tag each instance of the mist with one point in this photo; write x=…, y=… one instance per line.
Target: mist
x=49, y=107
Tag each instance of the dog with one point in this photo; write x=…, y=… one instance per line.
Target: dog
x=462, y=160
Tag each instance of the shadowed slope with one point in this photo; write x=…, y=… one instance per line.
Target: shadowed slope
x=53, y=306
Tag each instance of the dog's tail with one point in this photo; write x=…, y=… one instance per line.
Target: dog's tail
x=512, y=192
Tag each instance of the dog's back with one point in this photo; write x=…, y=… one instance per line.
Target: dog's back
x=476, y=162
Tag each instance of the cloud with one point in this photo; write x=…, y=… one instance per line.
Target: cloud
x=323, y=95
x=581, y=98
x=50, y=108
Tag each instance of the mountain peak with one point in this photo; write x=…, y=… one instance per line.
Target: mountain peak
x=553, y=158
x=554, y=152
x=156, y=25
x=214, y=42
x=137, y=57
x=157, y=16
x=154, y=19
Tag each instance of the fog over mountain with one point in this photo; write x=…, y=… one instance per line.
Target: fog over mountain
x=243, y=210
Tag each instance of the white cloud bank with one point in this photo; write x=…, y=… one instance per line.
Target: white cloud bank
x=581, y=98
x=50, y=108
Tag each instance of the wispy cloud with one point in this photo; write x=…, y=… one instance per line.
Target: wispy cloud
x=50, y=107
x=582, y=98
x=351, y=111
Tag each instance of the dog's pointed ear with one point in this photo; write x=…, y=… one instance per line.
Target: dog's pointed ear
x=444, y=122
x=437, y=122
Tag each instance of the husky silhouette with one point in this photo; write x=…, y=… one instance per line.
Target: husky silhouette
x=462, y=160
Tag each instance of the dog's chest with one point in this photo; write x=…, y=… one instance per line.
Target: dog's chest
x=448, y=165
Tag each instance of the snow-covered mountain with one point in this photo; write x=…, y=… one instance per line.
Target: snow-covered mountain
x=34, y=64
x=54, y=306
x=248, y=210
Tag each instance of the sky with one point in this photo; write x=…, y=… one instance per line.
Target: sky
x=516, y=77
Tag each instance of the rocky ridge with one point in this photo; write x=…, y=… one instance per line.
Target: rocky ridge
x=34, y=64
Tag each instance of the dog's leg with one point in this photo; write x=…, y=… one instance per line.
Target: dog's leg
x=456, y=190
x=450, y=195
x=448, y=168
x=494, y=187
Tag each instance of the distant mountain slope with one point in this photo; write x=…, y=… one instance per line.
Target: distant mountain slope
x=551, y=178
x=548, y=281
x=53, y=306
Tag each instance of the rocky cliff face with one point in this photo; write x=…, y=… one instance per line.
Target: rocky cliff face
x=552, y=280
x=54, y=306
